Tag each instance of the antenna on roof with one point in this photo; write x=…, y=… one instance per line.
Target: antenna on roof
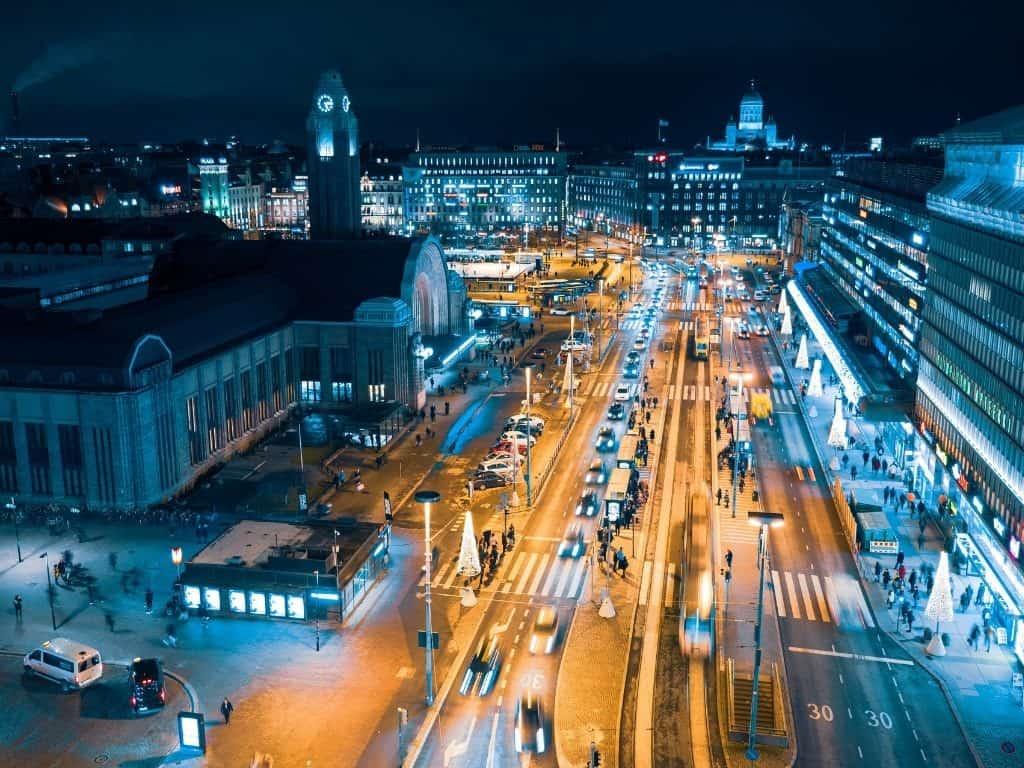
x=417, y=139
x=558, y=139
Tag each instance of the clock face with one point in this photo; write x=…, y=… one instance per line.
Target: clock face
x=345, y=103
x=325, y=103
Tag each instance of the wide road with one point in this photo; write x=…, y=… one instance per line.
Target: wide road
x=857, y=698
x=477, y=731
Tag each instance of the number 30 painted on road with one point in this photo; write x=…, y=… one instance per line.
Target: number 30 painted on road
x=824, y=712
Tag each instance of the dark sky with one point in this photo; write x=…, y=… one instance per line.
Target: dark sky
x=504, y=72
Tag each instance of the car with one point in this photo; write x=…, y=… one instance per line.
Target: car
x=633, y=356
x=762, y=329
x=521, y=422
x=484, y=480
x=572, y=544
x=514, y=435
x=623, y=392
x=631, y=371
x=484, y=666
x=539, y=353
x=605, y=439
x=760, y=295
x=529, y=729
x=146, y=691
x=587, y=505
x=561, y=311
x=617, y=412
x=743, y=330
x=502, y=466
x=596, y=473
x=775, y=288
x=639, y=344
x=545, y=630
x=503, y=452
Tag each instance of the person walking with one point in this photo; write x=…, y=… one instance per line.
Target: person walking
x=226, y=708
x=972, y=638
x=964, y=602
x=890, y=598
x=149, y=600
x=989, y=632
x=108, y=618
x=17, y=608
x=886, y=578
x=980, y=598
x=878, y=571
x=718, y=495
x=728, y=558
x=969, y=593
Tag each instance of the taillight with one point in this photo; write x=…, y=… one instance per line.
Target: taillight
x=163, y=695
x=132, y=700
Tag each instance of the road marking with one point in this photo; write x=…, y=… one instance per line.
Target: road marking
x=793, y=600
x=670, y=586
x=539, y=574
x=438, y=577
x=534, y=556
x=780, y=606
x=860, y=752
x=645, y=581
x=833, y=600
x=450, y=581
x=517, y=565
x=577, y=580
x=862, y=608
x=456, y=748
x=854, y=656
x=566, y=573
x=550, y=580
x=808, y=606
x=821, y=599
x=799, y=472
x=810, y=473
x=924, y=756
x=494, y=732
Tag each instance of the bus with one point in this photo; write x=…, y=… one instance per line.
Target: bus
x=618, y=490
x=701, y=338
x=626, y=457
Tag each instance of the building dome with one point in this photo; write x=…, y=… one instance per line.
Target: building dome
x=752, y=97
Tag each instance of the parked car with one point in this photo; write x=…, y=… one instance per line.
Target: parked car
x=146, y=692
x=560, y=311
x=484, y=480
x=514, y=435
x=501, y=465
x=69, y=664
x=534, y=424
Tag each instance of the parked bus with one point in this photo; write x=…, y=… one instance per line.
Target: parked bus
x=701, y=338
x=618, y=490
x=626, y=457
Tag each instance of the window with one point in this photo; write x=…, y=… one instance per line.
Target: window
x=211, y=598
x=275, y=382
x=212, y=429
x=8, y=459
x=309, y=374
x=195, y=442
x=230, y=409
x=247, y=412
x=257, y=603
x=277, y=606
x=38, y=459
x=236, y=601
x=70, y=438
x=262, y=406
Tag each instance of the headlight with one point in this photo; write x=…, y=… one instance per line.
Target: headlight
x=541, y=745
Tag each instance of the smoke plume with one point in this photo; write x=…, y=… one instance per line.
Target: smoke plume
x=58, y=58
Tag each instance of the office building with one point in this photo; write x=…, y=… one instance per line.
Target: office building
x=751, y=131
x=874, y=250
x=603, y=197
x=971, y=372
x=332, y=140
x=382, y=196
x=213, y=186
x=460, y=194
x=246, y=207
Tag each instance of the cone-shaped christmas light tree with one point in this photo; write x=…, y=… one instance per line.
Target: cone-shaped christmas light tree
x=787, y=324
x=469, y=555
x=801, y=355
x=814, y=386
x=837, y=433
x=567, y=381
x=783, y=303
x=940, y=605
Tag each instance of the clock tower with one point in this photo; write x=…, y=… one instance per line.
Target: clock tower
x=332, y=141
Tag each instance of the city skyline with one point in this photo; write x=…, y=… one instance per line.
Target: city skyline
x=116, y=81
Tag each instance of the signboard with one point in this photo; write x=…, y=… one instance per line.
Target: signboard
x=302, y=502
x=389, y=516
x=613, y=508
x=883, y=547
x=192, y=731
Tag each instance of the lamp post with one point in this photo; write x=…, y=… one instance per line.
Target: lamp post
x=316, y=610
x=528, y=368
x=600, y=313
x=302, y=472
x=426, y=498
x=764, y=520
x=176, y=558
x=49, y=590
x=17, y=531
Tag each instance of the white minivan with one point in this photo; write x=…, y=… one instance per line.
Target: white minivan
x=69, y=664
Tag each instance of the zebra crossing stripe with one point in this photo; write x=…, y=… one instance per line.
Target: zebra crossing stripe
x=862, y=606
x=832, y=598
x=564, y=580
x=799, y=472
x=439, y=575
x=791, y=590
x=517, y=566
x=452, y=576
x=808, y=606
x=577, y=580
x=539, y=574
x=780, y=606
x=549, y=581
x=534, y=556
x=707, y=392
x=810, y=473
x=822, y=606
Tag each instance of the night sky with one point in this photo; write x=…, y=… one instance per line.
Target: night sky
x=488, y=72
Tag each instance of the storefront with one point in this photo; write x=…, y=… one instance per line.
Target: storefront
x=288, y=571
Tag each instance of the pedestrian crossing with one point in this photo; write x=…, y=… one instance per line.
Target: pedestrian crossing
x=808, y=597
x=597, y=388
x=537, y=574
x=778, y=396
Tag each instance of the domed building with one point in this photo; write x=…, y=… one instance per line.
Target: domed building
x=751, y=131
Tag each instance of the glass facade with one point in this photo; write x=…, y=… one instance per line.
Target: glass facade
x=603, y=197
x=461, y=193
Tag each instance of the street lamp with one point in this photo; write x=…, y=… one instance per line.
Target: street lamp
x=17, y=531
x=426, y=498
x=738, y=379
x=49, y=590
x=764, y=520
x=176, y=557
x=600, y=313
x=528, y=368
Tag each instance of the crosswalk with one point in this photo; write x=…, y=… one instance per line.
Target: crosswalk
x=538, y=574
x=597, y=388
x=781, y=396
x=806, y=597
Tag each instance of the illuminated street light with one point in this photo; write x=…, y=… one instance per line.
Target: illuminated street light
x=764, y=520
x=426, y=498
x=176, y=558
x=528, y=368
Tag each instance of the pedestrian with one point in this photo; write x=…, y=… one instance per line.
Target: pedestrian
x=433, y=413
x=149, y=600
x=865, y=456
x=511, y=535
x=914, y=593
x=931, y=582
x=728, y=558
x=226, y=708
x=719, y=496
x=112, y=559
x=901, y=572
x=980, y=599
x=504, y=541
x=846, y=459
x=853, y=473
x=878, y=571
x=17, y=608
x=172, y=639
x=969, y=592
x=988, y=639
x=447, y=407
x=900, y=557
x=885, y=466
x=964, y=602
x=890, y=598
x=718, y=433
x=910, y=619
x=972, y=638
x=886, y=578
x=913, y=578
x=108, y=617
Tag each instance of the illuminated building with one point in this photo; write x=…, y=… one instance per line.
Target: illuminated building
x=459, y=193
x=382, y=196
x=213, y=186
x=246, y=207
x=971, y=381
x=287, y=210
x=751, y=131
x=603, y=197
x=332, y=138
x=874, y=250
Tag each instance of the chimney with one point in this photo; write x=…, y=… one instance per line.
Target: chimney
x=15, y=126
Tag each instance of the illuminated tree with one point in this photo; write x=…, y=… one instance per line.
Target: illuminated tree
x=787, y=324
x=567, y=381
x=837, y=433
x=814, y=387
x=783, y=303
x=940, y=604
x=801, y=355
x=469, y=555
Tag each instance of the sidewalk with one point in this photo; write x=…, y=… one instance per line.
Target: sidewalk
x=978, y=684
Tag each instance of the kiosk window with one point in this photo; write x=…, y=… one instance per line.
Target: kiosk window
x=236, y=600
x=296, y=607
x=277, y=605
x=257, y=603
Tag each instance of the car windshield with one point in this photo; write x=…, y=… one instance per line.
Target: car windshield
x=546, y=618
x=145, y=670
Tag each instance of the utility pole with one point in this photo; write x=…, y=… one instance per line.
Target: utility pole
x=528, y=368
x=426, y=498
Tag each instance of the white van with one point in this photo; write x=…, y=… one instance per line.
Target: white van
x=777, y=377
x=65, y=662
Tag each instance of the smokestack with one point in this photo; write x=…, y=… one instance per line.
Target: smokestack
x=15, y=115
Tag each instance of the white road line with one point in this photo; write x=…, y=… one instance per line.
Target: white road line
x=564, y=581
x=799, y=472
x=707, y=392
x=854, y=656
x=577, y=580
x=670, y=586
x=862, y=606
x=534, y=556
x=822, y=606
x=808, y=606
x=517, y=565
x=780, y=606
x=438, y=576
x=645, y=581
x=833, y=599
x=794, y=603
x=540, y=573
x=550, y=580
